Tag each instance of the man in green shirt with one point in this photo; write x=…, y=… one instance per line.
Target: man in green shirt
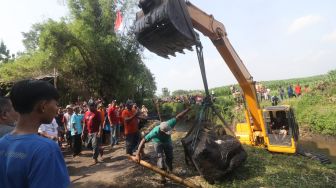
x=161, y=136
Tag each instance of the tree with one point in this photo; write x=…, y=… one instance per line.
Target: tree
x=91, y=59
x=180, y=92
x=87, y=50
x=165, y=92
x=4, y=53
x=31, y=38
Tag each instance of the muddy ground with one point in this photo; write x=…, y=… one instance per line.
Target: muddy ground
x=115, y=170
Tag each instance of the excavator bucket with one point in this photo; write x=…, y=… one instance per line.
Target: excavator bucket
x=164, y=27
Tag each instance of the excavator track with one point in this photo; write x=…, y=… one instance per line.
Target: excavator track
x=313, y=155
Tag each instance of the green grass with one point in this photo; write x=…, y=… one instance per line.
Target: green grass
x=317, y=108
x=265, y=169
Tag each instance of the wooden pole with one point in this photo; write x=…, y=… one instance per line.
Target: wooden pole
x=164, y=173
x=55, y=78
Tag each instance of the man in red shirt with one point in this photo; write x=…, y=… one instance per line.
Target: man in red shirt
x=113, y=116
x=298, y=89
x=131, y=127
x=93, y=126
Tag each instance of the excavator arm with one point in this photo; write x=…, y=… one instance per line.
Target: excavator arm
x=167, y=26
x=216, y=32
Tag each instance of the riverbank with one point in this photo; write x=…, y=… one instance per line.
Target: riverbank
x=262, y=169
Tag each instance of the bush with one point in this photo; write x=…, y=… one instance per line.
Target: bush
x=332, y=76
x=149, y=104
x=317, y=112
x=222, y=91
x=171, y=109
x=225, y=104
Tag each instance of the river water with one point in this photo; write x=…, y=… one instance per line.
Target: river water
x=320, y=144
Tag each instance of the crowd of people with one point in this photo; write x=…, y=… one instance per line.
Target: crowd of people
x=292, y=91
x=264, y=93
x=34, y=131
x=92, y=124
x=191, y=99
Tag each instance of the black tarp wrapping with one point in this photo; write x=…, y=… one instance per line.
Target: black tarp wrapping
x=212, y=152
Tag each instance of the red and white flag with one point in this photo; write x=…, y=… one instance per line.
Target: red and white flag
x=118, y=21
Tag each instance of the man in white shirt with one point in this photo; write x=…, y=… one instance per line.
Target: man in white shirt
x=49, y=130
x=67, y=124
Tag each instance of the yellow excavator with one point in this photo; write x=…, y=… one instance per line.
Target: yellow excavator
x=167, y=26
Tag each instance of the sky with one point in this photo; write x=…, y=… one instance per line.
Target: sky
x=275, y=39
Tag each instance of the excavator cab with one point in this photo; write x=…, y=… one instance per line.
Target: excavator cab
x=164, y=27
x=281, y=129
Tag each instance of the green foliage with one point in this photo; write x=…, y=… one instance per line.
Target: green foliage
x=149, y=105
x=318, y=111
x=26, y=66
x=31, y=38
x=5, y=55
x=166, y=110
x=180, y=92
x=91, y=59
x=225, y=104
x=332, y=76
x=169, y=110
x=315, y=109
x=222, y=91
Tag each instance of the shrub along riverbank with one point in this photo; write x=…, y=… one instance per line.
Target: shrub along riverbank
x=314, y=110
x=265, y=169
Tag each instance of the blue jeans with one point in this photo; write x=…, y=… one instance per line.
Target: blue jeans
x=115, y=130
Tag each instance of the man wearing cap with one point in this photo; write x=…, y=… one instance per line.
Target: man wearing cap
x=161, y=136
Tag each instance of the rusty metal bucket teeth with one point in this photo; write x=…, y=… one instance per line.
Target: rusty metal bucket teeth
x=164, y=27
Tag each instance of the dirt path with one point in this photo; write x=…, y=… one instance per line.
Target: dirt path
x=115, y=170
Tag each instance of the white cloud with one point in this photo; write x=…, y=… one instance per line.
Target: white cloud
x=304, y=22
x=331, y=37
